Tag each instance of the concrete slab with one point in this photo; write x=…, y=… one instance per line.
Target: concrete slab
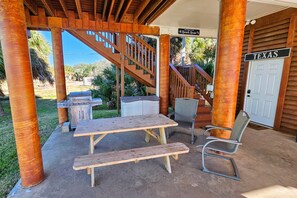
x=267, y=158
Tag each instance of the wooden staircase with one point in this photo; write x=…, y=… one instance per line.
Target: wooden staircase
x=139, y=60
x=138, y=57
x=203, y=112
x=190, y=82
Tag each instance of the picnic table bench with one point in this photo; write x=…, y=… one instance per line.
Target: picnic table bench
x=105, y=126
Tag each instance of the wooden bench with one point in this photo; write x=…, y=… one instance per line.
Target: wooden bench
x=132, y=155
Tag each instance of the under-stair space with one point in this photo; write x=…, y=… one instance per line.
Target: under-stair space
x=139, y=57
x=203, y=112
x=139, y=60
x=191, y=82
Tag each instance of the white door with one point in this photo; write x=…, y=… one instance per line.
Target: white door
x=262, y=90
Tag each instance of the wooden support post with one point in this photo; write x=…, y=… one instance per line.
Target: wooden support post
x=246, y=67
x=123, y=49
x=164, y=73
x=21, y=91
x=118, y=89
x=285, y=74
x=231, y=34
x=59, y=72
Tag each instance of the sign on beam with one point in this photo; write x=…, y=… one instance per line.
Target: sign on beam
x=194, y=32
x=277, y=53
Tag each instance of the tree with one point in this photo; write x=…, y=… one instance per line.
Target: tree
x=39, y=51
x=203, y=53
x=105, y=84
x=175, y=45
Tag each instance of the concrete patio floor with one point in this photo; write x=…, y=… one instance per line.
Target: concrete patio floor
x=267, y=158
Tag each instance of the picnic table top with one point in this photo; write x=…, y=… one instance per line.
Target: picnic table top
x=122, y=124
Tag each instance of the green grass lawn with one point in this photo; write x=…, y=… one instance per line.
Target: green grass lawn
x=47, y=119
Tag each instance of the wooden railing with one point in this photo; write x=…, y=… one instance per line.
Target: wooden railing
x=136, y=50
x=187, y=72
x=202, y=79
x=141, y=53
x=179, y=87
x=109, y=39
x=197, y=77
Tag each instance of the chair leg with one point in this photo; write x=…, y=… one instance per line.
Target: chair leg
x=92, y=177
x=204, y=169
x=193, y=138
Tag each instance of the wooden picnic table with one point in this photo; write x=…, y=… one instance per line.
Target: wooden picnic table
x=105, y=126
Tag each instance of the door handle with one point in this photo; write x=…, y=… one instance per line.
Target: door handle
x=248, y=96
x=248, y=91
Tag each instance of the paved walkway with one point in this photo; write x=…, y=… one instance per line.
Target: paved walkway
x=267, y=158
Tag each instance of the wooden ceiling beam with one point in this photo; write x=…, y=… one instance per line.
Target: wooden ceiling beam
x=42, y=22
x=159, y=11
x=64, y=7
x=48, y=7
x=32, y=6
x=110, y=9
x=148, y=11
x=140, y=9
x=125, y=10
x=78, y=7
x=119, y=10
x=95, y=9
x=104, y=10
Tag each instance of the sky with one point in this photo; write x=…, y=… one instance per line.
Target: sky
x=74, y=50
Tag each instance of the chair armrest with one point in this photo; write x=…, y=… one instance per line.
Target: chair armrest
x=170, y=114
x=211, y=127
x=215, y=139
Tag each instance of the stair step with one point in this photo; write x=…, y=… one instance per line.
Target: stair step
x=202, y=124
x=203, y=116
x=203, y=109
x=201, y=102
x=197, y=96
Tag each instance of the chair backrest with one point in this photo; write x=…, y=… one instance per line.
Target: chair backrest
x=185, y=109
x=240, y=124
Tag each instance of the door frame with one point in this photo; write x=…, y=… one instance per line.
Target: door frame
x=279, y=93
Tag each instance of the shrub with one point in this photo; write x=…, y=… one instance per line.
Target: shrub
x=105, y=84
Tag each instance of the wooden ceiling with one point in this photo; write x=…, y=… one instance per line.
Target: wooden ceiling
x=120, y=11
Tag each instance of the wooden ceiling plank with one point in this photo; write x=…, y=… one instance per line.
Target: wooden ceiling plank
x=95, y=9
x=64, y=7
x=149, y=11
x=110, y=9
x=140, y=9
x=125, y=10
x=49, y=7
x=78, y=7
x=104, y=10
x=159, y=11
x=32, y=6
x=119, y=10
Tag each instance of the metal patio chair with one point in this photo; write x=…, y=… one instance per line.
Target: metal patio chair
x=185, y=113
x=228, y=146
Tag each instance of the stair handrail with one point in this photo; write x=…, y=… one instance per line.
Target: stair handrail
x=106, y=37
x=179, y=87
x=141, y=53
x=202, y=79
